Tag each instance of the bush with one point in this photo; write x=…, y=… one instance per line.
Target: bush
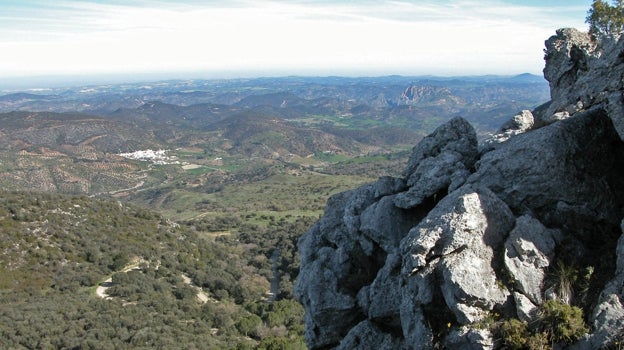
x=538, y=341
x=561, y=322
x=556, y=322
x=249, y=325
x=514, y=333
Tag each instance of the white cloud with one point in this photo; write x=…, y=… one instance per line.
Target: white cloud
x=452, y=37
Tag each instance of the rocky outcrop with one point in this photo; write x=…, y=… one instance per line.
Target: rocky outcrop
x=414, y=95
x=466, y=236
x=518, y=124
x=441, y=162
x=584, y=73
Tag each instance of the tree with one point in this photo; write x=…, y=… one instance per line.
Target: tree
x=249, y=325
x=605, y=19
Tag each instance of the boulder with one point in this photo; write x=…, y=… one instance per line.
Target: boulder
x=566, y=174
x=338, y=260
x=450, y=256
x=529, y=250
x=466, y=338
x=525, y=309
x=519, y=123
x=366, y=335
x=441, y=162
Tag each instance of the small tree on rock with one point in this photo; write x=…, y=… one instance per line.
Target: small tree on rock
x=605, y=19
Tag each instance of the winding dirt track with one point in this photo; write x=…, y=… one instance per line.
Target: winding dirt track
x=101, y=289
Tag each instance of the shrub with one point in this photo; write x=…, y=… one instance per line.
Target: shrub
x=514, y=333
x=538, y=341
x=561, y=322
x=562, y=280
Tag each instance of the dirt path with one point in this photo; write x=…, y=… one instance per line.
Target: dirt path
x=201, y=295
x=101, y=289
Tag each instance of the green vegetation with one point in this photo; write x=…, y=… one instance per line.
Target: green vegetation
x=244, y=183
x=57, y=249
x=604, y=18
x=555, y=323
x=255, y=193
x=561, y=322
x=514, y=333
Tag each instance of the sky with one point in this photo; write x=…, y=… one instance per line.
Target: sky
x=279, y=37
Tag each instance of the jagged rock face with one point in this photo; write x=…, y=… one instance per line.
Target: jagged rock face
x=608, y=317
x=421, y=261
x=564, y=173
x=583, y=72
x=426, y=94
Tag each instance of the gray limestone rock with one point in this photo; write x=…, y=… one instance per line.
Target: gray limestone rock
x=331, y=311
x=519, y=123
x=528, y=253
x=585, y=73
x=608, y=316
x=366, y=335
x=367, y=195
x=555, y=117
x=455, y=245
x=525, y=309
x=440, y=160
x=417, y=263
x=373, y=267
x=535, y=172
x=386, y=224
x=415, y=325
x=338, y=260
x=385, y=292
x=466, y=338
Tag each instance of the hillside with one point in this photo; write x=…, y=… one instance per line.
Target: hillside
x=68, y=153
x=168, y=285
x=223, y=129
x=235, y=172
x=515, y=242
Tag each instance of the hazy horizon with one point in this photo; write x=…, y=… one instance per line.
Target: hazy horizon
x=242, y=38
x=52, y=82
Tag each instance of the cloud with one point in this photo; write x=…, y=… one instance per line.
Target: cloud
x=441, y=37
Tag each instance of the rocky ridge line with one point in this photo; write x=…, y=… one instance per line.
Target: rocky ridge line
x=471, y=231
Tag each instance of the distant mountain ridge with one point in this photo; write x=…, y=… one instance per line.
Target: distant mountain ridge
x=337, y=95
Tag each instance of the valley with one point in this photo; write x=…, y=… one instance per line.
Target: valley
x=219, y=133
x=200, y=182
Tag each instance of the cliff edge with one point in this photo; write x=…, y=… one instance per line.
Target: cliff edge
x=474, y=236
